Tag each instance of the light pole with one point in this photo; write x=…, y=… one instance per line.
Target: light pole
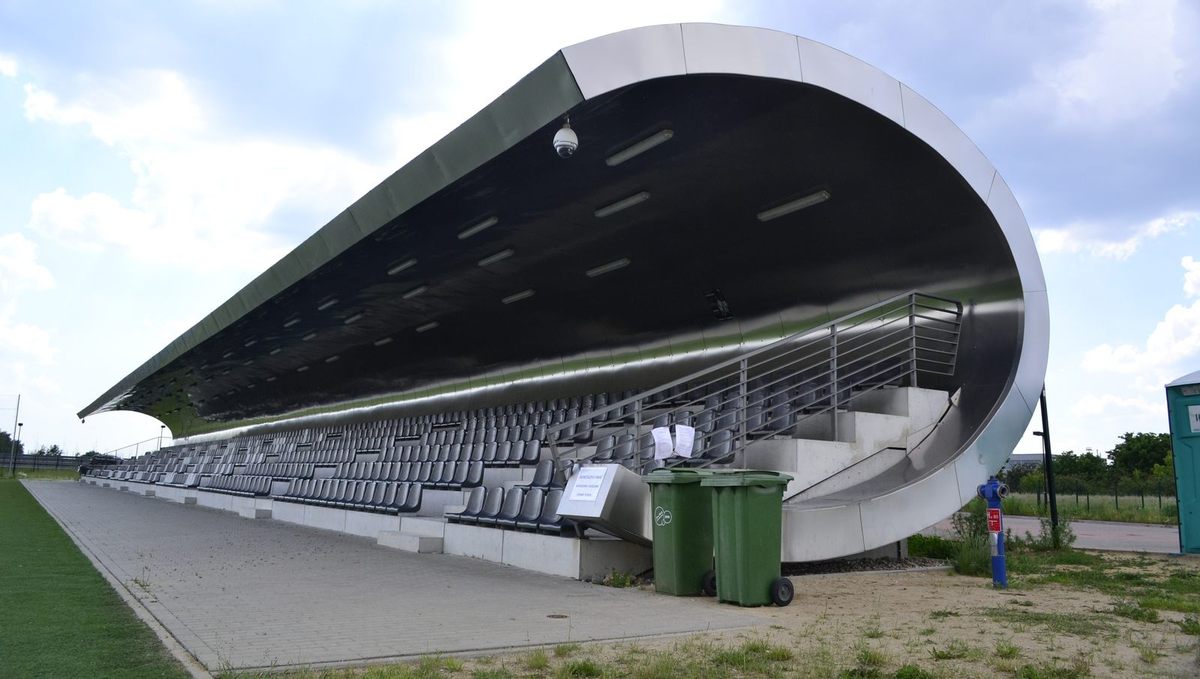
x=161, y=428
x=12, y=452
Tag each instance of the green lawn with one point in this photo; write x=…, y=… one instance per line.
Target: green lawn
x=59, y=617
x=42, y=474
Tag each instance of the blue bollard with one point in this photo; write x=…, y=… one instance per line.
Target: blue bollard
x=993, y=492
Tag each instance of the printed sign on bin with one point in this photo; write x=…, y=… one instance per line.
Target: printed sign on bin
x=993, y=520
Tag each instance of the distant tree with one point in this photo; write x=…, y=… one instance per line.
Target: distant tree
x=49, y=450
x=1137, y=454
x=1088, y=466
x=6, y=445
x=1164, y=469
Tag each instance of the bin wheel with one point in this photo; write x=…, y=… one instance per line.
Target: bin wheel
x=782, y=592
x=708, y=583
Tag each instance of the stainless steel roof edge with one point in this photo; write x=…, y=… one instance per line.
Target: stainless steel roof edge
x=536, y=99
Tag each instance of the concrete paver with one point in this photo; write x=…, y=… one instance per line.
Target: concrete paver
x=241, y=593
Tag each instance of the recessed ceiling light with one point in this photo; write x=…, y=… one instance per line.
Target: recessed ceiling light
x=427, y=327
x=517, y=297
x=326, y=304
x=276, y=350
x=492, y=259
x=419, y=290
x=608, y=268
x=250, y=343
x=472, y=230
x=301, y=368
x=623, y=204
x=793, y=206
x=353, y=319
x=248, y=362
x=272, y=378
x=292, y=322
x=382, y=341
x=638, y=148
x=401, y=266
x=227, y=354
x=308, y=336
x=333, y=358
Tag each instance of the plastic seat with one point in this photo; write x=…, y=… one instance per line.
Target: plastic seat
x=412, y=500
x=543, y=475
x=474, y=475
x=531, y=509
x=604, y=450
x=550, y=521
x=474, y=506
x=514, y=500
x=491, y=507
x=397, y=504
x=532, y=453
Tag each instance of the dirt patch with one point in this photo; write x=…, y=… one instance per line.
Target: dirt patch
x=911, y=624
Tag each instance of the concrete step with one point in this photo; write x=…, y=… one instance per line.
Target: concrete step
x=419, y=544
x=423, y=526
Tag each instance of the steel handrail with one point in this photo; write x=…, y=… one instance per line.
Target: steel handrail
x=818, y=346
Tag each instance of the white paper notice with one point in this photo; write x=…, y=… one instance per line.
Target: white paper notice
x=587, y=484
x=1194, y=418
x=662, y=442
x=685, y=438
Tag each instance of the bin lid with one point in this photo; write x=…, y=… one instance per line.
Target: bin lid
x=676, y=475
x=746, y=478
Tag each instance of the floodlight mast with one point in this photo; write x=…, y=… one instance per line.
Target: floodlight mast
x=12, y=448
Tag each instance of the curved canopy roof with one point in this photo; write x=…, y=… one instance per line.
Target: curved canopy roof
x=488, y=260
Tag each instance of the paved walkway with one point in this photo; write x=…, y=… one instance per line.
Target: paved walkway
x=239, y=593
x=1110, y=535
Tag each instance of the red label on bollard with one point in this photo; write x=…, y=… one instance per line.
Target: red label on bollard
x=993, y=519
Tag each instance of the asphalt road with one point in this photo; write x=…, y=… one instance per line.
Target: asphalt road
x=1108, y=535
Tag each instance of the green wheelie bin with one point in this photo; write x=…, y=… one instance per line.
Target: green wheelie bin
x=681, y=510
x=747, y=519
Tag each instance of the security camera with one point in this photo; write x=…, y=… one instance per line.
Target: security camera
x=566, y=141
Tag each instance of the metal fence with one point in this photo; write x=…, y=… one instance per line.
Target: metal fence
x=40, y=462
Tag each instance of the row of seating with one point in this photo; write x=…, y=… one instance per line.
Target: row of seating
x=518, y=508
x=238, y=485
x=440, y=475
x=386, y=497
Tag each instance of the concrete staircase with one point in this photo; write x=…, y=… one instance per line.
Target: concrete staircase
x=879, y=433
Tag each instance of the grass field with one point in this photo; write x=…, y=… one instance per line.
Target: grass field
x=1131, y=508
x=59, y=617
x=42, y=474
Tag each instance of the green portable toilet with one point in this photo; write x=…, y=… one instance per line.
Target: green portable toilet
x=1183, y=408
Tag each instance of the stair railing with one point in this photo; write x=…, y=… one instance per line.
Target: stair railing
x=777, y=389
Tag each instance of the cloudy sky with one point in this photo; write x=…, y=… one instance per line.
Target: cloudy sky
x=154, y=157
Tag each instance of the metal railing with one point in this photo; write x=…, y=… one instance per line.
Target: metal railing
x=776, y=389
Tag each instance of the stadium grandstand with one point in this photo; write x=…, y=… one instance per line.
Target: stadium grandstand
x=757, y=236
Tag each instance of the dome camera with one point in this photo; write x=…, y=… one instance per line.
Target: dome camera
x=566, y=141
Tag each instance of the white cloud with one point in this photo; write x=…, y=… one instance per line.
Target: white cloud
x=23, y=339
x=20, y=271
x=1075, y=238
x=19, y=268
x=1130, y=68
x=477, y=62
x=1191, y=276
x=201, y=199
x=1175, y=339
x=1091, y=405
x=8, y=66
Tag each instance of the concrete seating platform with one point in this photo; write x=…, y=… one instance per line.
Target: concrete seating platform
x=243, y=594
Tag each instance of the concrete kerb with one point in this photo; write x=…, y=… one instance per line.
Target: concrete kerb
x=484, y=652
x=173, y=645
